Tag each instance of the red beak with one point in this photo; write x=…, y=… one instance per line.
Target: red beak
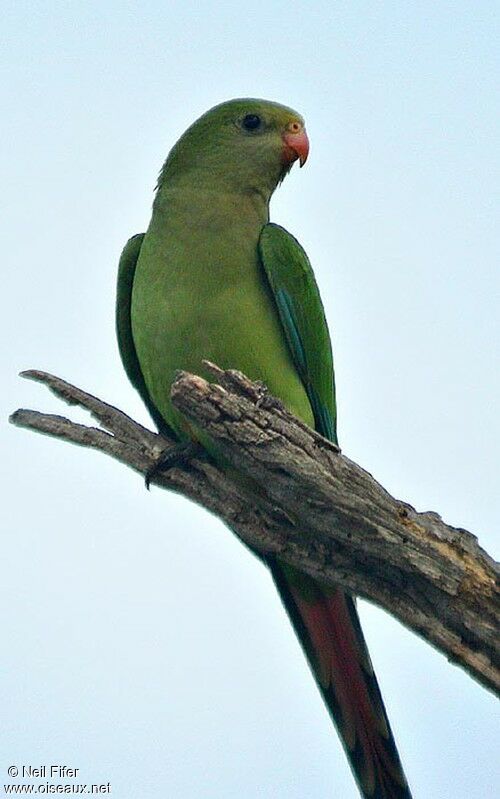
x=296, y=146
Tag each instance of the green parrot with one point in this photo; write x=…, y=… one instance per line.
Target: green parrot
x=213, y=279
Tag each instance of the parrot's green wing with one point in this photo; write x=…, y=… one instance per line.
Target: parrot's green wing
x=126, y=273
x=325, y=618
x=297, y=297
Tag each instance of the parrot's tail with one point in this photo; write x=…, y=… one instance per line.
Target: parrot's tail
x=327, y=624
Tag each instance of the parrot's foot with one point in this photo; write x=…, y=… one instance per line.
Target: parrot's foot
x=175, y=455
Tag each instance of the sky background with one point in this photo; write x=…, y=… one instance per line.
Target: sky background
x=141, y=642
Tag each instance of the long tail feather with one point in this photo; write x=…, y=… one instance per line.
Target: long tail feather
x=327, y=624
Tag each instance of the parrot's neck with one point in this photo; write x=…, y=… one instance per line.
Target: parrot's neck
x=213, y=183
x=213, y=206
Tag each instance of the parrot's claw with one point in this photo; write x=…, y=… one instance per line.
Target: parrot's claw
x=175, y=455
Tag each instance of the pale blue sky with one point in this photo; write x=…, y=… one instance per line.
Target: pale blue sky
x=142, y=643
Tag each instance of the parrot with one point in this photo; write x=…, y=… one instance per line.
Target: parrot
x=213, y=279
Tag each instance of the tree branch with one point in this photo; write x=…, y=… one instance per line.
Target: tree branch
x=303, y=500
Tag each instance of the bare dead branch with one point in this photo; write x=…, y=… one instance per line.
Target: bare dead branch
x=310, y=505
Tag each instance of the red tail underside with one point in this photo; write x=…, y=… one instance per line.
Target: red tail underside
x=327, y=623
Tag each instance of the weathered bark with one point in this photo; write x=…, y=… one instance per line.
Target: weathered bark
x=305, y=501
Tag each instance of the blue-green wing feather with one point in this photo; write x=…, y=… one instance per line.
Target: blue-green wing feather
x=371, y=748
x=297, y=298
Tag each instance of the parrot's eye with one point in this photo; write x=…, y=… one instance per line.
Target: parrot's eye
x=251, y=122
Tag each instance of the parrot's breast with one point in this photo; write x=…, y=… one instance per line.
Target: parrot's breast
x=200, y=293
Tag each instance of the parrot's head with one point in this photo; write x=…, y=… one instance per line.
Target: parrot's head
x=241, y=145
